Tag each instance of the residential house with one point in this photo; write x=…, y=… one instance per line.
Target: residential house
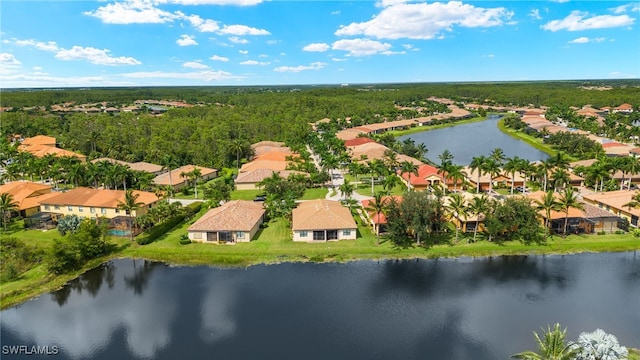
x=263, y=147
x=615, y=202
x=178, y=178
x=624, y=108
x=485, y=179
x=428, y=176
x=379, y=221
x=137, y=166
x=41, y=146
x=26, y=195
x=322, y=220
x=94, y=203
x=249, y=180
x=234, y=221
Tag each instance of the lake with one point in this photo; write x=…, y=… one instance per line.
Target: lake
x=468, y=140
x=466, y=308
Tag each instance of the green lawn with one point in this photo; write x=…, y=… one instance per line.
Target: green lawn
x=315, y=193
x=245, y=194
x=364, y=188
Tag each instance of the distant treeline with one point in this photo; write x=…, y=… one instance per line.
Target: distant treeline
x=210, y=135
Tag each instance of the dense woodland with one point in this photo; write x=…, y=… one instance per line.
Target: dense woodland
x=229, y=118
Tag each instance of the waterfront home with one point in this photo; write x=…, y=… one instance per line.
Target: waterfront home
x=26, y=195
x=588, y=220
x=94, y=203
x=179, y=178
x=486, y=179
x=234, y=221
x=373, y=150
x=379, y=221
x=322, y=220
x=615, y=202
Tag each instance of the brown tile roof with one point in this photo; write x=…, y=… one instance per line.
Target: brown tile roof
x=258, y=175
x=40, y=140
x=264, y=164
x=22, y=190
x=380, y=218
x=237, y=215
x=176, y=178
x=358, y=141
x=43, y=150
x=275, y=156
x=614, y=199
x=34, y=201
x=145, y=166
x=82, y=196
x=113, y=161
x=322, y=215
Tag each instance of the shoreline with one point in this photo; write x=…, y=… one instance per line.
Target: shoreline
x=525, y=138
x=317, y=253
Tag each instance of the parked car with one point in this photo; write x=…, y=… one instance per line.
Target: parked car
x=260, y=198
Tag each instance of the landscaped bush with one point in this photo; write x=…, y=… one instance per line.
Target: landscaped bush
x=184, y=239
x=155, y=232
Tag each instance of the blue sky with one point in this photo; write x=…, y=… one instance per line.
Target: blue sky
x=256, y=42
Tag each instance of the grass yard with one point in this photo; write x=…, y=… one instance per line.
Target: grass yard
x=245, y=194
x=315, y=193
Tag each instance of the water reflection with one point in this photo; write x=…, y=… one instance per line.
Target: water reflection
x=414, y=309
x=86, y=325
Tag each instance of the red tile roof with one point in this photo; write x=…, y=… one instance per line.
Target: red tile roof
x=424, y=173
x=358, y=141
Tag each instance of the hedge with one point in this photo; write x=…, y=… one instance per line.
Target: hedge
x=158, y=230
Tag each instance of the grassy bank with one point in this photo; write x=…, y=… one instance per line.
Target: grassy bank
x=531, y=140
x=273, y=244
x=418, y=129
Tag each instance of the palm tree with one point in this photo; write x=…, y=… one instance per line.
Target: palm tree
x=355, y=169
x=457, y=206
x=407, y=167
x=237, y=146
x=446, y=161
x=477, y=164
x=512, y=166
x=527, y=169
x=375, y=166
x=347, y=189
x=635, y=201
x=548, y=203
x=390, y=182
x=7, y=205
x=498, y=155
x=559, y=160
x=560, y=178
x=378, y=205
x=129, y=205
x=544, y=167
x=633, y=169
x=457, y=174
x=492, y=168
x=552, y=347
x=478, y=207
x=597, y=172
x=194, y=175
x=568, y=199
x=390, y=159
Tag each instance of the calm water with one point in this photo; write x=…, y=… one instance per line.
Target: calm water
x=426, y=309
x=468, y=140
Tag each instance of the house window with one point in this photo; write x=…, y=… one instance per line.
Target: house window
x=70, y=208
x=46, y=207
x=346, y=232
x=318, y=235
x=117, y=211
x=303, y=233
x=239, y=234
x=103, y=211
x=57, y=207
x=92, y=210
x=197, y=235
x=80, y=208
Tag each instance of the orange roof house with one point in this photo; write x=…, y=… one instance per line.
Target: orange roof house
x=40, y=140
x=234, y=221
x=378, y=221
x=174, y=177
x=87, y=202
x=427, y=176
x=322, y=220
x=358, y=141
x=23, y=193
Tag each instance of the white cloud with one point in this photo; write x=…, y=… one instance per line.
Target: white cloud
x=338, y=59
x=263, y=56
x=243, y=52
x=584, y=40
x=313, y=66
x=132, y=12
x=186, y=40
x=237, y=40
x=201, y=24
x=578, y=20
x=214, y=2
x=424, y=20
x=361, y=47
x=490, y=56
x=195, y=65
x=219, y=58
x=8, y=59
x=316, y=47
x=337, y=12
x=535, y=13
x=253, y=62
x=40, y=45
x=626, y=7
x=242, y=30
x=209, y=75
x=94, y=56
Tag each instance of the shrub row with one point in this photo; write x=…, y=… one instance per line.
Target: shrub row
x=156, y=231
